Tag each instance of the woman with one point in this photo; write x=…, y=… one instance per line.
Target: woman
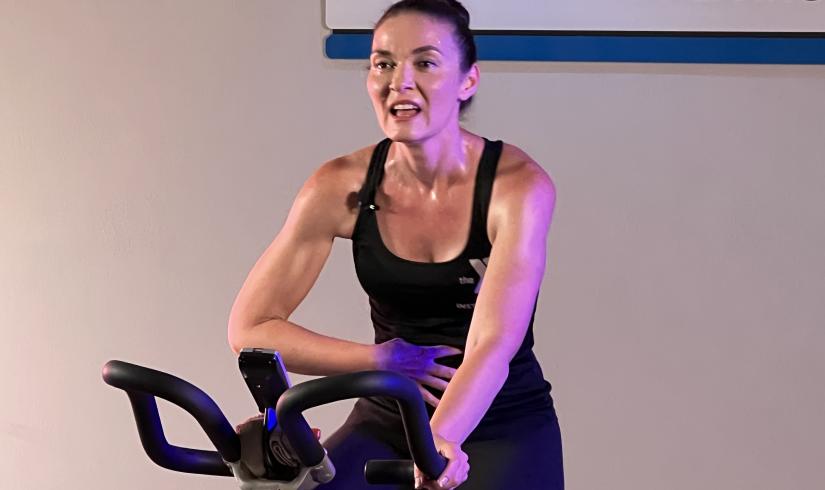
x=431, y=211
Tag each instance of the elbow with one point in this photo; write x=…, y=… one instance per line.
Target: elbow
x=491, y=350
x=237, y=330
x=237, y=334
x=242, y=334
x=234, y=338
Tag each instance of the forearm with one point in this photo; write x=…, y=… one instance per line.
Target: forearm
x=470, y=393
x=304, y=351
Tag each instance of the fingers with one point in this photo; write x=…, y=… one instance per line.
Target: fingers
x=433, y=382
x=443, y=351
x=456, y=473
x=419, y=476
x=445, y=372
x=428, y=397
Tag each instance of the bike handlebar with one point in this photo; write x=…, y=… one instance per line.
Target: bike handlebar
x=143, y=385
x=367, y=383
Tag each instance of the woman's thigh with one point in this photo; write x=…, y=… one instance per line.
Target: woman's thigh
x=527, y=456
x=351, y=446
x=528, y=459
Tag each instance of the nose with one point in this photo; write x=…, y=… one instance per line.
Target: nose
x=402, y=78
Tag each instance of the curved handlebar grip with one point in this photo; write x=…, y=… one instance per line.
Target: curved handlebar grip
x=143, y=385
x=354, y=385
x=389, y=471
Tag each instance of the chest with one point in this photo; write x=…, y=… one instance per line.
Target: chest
x=424, y=229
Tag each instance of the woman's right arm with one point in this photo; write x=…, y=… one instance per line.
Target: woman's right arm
x=284, y=274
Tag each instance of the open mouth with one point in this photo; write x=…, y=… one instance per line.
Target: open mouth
x=404, y=111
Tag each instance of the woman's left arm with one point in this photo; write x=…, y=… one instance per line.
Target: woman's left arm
x=519, y=220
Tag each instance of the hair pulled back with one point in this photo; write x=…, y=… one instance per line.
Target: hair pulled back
x=451, y=12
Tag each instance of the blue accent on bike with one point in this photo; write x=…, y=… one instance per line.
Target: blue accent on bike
x=271, y=419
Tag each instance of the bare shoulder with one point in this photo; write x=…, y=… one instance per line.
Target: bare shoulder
x=333, y=188
x=519, y=176
x=523, y=192
x=342, y=174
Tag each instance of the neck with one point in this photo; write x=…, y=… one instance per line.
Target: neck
x=435, y=162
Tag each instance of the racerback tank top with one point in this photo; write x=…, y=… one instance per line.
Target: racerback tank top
x=431, y=303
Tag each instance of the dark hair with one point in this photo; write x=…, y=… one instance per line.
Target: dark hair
x=450, y=11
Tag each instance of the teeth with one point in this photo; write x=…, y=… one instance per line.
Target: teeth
x=404, y=107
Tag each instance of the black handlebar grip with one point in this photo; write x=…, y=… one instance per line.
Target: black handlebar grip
x=389, y=471
x=142, y=385
x=354, y=385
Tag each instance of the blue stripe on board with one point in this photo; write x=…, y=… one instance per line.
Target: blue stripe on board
x=650, y=48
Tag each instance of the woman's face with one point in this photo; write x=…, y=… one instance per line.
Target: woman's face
x=415, y=79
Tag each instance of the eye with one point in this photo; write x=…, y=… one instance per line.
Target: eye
x=382, y=65
x=426, y=64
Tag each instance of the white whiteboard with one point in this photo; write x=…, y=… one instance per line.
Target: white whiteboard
x=611, y=15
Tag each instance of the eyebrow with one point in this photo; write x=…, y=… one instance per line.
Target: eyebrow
x=421, y=49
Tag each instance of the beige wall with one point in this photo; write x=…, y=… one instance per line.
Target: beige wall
x=149, y=151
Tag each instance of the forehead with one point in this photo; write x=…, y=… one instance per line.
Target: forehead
x=402, y=33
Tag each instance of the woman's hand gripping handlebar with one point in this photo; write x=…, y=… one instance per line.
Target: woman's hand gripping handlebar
x=363, y=384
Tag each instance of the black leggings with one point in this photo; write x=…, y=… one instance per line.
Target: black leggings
x=526, y=456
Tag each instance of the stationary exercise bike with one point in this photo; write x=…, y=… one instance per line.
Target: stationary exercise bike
x=290, y=455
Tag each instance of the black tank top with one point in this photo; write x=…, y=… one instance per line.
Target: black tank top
x=429, y=303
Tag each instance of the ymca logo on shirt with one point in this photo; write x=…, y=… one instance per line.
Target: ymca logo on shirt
x=480, y=266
